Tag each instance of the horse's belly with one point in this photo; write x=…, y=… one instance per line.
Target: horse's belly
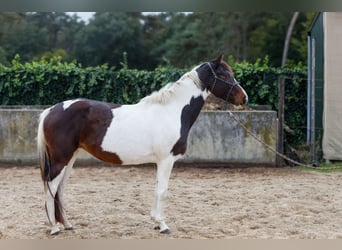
x=129, y=150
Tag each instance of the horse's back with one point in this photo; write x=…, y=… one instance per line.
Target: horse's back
x=75, y=115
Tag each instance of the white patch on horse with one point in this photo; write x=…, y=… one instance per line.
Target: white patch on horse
x=243, y=91
x=67, y=104
x=137, y=135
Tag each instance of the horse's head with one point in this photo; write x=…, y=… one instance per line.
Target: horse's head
x=218, y=77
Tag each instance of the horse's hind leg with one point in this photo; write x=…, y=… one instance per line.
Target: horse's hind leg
x=60, y=192
x=51, y=190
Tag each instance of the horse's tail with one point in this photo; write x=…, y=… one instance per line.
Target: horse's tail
x=43, y=153
x=45, y=166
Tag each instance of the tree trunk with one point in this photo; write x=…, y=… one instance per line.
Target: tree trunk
x=281, y=95
x=288, y=38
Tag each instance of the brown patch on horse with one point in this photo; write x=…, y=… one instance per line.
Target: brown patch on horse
x=99, y=118
x=83, y=124
x=60, y=138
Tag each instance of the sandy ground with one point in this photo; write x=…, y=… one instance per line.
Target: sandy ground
x=114, y=203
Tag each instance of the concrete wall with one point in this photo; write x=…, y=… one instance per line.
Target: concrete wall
x=18, y=135
x=214, y=138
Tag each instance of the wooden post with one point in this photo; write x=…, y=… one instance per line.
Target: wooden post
x=280, y=142
x=281, y=93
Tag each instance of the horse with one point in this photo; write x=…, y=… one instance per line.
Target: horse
x=154, y=130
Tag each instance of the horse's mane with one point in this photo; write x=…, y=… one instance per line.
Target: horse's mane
x=164, y=95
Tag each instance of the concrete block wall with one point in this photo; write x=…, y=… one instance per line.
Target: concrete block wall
x=214, y=138
x=18, y=135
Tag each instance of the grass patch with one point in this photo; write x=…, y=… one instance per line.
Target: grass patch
x=325, y=168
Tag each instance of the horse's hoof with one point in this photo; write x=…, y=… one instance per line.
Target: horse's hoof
x=165, y=231
x=55, y=231
x=68, y=226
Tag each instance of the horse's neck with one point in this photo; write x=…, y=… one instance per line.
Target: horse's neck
x=183, y=94
x=188, y=104
x=187, y=93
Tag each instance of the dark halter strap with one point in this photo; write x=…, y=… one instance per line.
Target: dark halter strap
x=222, y=80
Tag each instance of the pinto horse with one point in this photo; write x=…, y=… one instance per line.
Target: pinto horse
x=154, y=130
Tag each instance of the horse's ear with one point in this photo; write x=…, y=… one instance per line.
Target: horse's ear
x=219, y=60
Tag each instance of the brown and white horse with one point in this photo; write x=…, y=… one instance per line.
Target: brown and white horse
x=155, y=130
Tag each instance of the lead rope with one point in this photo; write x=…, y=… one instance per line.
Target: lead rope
x=276, y=152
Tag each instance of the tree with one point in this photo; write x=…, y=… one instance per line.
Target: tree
x=60, y=28
x=107, y=37
x=155, y=31
x=268, y=38
x=172, y=38
x=22, y=37
x=9, y=21
x=288, y=37
x=242, y=35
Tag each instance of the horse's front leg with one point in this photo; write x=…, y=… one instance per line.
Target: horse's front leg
x=164, y=168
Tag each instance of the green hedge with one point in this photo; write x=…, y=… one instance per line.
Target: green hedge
x=261, y=83
x=48, y=82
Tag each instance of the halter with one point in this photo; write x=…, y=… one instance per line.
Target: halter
x=218, y=78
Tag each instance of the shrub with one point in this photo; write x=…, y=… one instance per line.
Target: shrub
x=49, y=82
x=261, y=83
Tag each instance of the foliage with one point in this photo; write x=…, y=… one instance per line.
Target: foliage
x=267, y=37
x=47, y=82
x=170, y=38
x=325, y=168
x=32, y=34
x=105, y=39
x=261, y=83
